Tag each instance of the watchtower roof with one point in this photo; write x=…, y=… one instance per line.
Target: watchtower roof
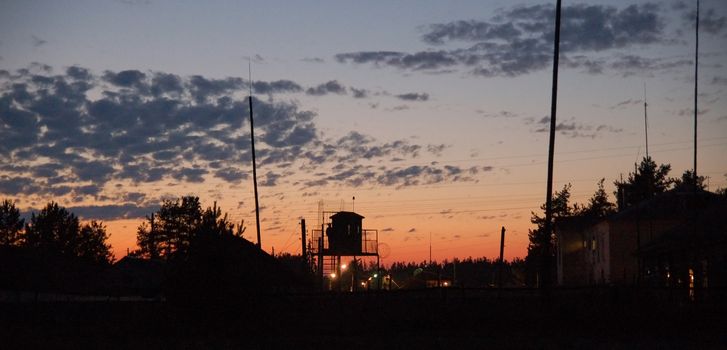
x=346, y=214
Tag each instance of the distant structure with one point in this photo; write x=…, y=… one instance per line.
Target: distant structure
x=677, y=239
x=340, y=234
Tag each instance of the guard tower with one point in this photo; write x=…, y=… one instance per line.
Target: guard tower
x=340, y=234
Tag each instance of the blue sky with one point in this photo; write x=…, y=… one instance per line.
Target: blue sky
x=431, y=113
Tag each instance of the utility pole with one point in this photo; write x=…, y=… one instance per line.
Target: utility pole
x=646, y=123
x=696, y=76
x=545, y=259
x=254, y=166
x=430, y=247
x=303, y=252
x=501, y=261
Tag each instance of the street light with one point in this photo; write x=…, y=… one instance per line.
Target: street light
x=333, y=275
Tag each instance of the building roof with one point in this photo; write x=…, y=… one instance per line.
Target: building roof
x=707, y=229
x=346, y=214
x=673, y=204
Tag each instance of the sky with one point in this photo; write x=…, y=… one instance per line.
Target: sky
x=433, y=115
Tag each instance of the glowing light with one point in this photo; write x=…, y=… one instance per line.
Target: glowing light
x=344, y=266
x=376, y=275
x=333, y=275
x=446, y=284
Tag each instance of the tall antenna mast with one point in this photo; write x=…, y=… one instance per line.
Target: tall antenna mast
x=696, y=75
x=646, y=123
x=254, y=167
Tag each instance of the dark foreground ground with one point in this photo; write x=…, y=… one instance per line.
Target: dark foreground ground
x=431, y=319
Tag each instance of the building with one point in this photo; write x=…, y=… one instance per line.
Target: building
x=631, y=246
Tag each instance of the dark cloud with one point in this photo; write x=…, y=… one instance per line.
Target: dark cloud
x=638, y=65
x=719, y=81
x=414, y=175
x=518, y=40
x=275, y=87
x=163, y=83
x=626, y=103
x=127, y=78
x=194, y=175
x=202, y=88
x=710, y=21
x=38, y=42
x=425, y=60
x=113, y=212
x=78, y=73
x=313, y=60
x=411, y=230
x=500, y=114
x=78, y=134
x=569, y=127
x=270, y=179
x=398, y=108
x=17, y=185
x=330, y=87
x=388, y=229
x=359, y=93
x=688, y=112
x=413, y=96
x=231, y=174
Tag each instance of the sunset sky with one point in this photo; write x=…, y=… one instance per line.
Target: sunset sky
x=433, y=114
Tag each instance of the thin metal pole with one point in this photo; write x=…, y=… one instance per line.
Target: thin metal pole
x=646, y=123
x=254, y=166
x=502, y=261
x=545, y=237
x=303, y=252
x=696, y=76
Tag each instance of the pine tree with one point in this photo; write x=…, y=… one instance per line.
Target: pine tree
x=11, y=225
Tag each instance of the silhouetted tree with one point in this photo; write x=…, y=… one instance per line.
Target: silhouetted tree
x=178, y=223
x=92, y=245
x=11, y=225
x=645, y=182
x=541, y=242
x=147, y=238
x=598, y=206
x=688, y=183
x=57, y=230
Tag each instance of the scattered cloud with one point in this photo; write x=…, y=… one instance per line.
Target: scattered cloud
x=38, y=42
x=627, y=103
x=722, y=81
x=571, y=128
x=113, y=212
x=359, y=93
x=518, y=41
x=276, y=87
x=689, y=112
x=330, y=87
x=313, y=60
x=81, y=134
x=413, y=96
x=500, y=114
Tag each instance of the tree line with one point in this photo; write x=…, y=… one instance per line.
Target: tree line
x=56, y=230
